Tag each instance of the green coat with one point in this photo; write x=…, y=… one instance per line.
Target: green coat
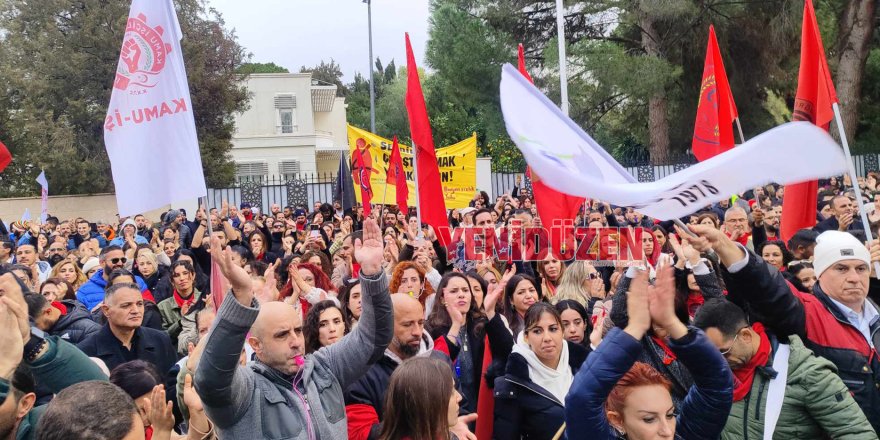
x=816, y=402
x=171, y=316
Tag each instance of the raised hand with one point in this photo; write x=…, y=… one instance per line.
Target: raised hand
x=637, y=306
x=269, y=291
x=239, y=280
x=190, y=396
x=161, y=414
x=368, y=251
x=710, y=238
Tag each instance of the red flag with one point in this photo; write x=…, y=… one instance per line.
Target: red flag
x=5, y=157
x=485, y=398
x=432, y=205
x=713, y=129
x=361, y=176
x=815, y=95
x=397, y=177
x=218, y=285
x=551, y=204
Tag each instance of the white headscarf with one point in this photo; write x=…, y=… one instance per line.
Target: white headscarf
x=557, y=381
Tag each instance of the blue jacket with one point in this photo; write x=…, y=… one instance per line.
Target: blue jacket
x=120, y=241
x=91, y=293
x=702, y=414
x=75, y=240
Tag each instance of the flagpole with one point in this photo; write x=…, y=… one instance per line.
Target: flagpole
x=739, y=127
x=855, y=181
x=372, y=89
x=416, y=177
x=563, y=69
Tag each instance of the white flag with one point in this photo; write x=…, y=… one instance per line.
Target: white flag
x=570, y=161
x=149, y=130
x=44, y=196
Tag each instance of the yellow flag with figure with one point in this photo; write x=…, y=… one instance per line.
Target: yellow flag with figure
x=457, y=163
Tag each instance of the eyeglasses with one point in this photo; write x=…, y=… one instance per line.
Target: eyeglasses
x=122, y=260
x=732, y=343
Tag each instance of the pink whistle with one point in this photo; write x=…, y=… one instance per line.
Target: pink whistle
x=300, y=360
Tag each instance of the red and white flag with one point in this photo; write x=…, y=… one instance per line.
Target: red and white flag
x=149, y=131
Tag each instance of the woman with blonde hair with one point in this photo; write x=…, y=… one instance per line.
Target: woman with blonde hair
x=490, y=274
x=69, y=272
x=582, y=283
x=551, y=270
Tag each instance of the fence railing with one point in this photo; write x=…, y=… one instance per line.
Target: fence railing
x=307, y=188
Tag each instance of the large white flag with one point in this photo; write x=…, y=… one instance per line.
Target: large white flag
x=570, y=161
x=149, y=130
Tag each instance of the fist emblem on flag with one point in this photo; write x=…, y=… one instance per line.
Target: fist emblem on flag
x=143, y=55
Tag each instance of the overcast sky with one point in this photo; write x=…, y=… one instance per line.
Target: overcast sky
x=295, y=33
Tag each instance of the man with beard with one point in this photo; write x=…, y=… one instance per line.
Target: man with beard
x=56, y=252
x=844, y=217
x=365, y=399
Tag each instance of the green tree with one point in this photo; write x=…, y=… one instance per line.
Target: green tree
x=57, y=64
x=249, y=68
x=327, y=74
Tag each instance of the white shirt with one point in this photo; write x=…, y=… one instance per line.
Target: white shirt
x=861, y=321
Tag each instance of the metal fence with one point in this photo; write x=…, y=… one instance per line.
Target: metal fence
x=306, y=189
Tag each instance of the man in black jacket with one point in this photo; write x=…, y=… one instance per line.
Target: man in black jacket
x=844, y=216
x=69, y=320
x=123, y=338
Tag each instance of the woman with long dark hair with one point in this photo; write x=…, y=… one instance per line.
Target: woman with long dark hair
x=421, y=402
x=575, y=322
x=520, y=293
x=462, y=325
x=350, y=301
x=530, y=397
x=324, y=325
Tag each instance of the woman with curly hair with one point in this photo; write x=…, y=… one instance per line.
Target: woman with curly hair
x=775, y=254
x=410, y=278
x=324, y=325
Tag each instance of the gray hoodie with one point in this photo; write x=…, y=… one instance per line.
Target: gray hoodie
x=257, y=402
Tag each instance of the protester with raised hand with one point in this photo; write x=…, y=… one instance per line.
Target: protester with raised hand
x=779, y=376
x=836, y=320
x=28, y=357
x=614, y=396
x=284, y=394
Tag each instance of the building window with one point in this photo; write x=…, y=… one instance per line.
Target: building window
x=286, y=115
x=288, y=168
x=251, y=171
x=285, y=108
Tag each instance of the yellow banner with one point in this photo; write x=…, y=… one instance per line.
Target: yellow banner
x=457, y=163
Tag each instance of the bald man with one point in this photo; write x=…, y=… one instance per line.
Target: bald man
x=284, y=393
x=365, y=399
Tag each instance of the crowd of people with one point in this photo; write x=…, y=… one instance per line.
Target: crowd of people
x=320, y=322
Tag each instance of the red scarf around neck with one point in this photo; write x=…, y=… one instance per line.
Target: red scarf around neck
x=669, y=356
x=745, y=375
x=181, y=301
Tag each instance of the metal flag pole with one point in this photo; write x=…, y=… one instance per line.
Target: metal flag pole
x=855, y=181
x=742, y=139
x=563, y=68
x=372, y=88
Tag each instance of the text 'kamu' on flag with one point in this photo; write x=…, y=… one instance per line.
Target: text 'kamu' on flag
x=149, y=130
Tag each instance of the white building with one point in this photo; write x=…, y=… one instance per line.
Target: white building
x=293, y=125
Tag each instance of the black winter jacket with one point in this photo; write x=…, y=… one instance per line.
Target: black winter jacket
x=76, y=325
x=523, y=409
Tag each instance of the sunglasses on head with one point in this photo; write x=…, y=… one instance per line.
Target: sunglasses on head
x=122, y=260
